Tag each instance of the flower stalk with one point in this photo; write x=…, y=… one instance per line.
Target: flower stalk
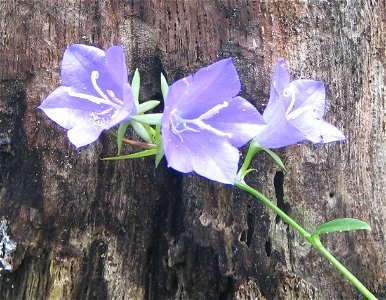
x=127, y=141
x=312, y=239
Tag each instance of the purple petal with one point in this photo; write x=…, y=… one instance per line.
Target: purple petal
x=77, y=64
x=208, y=87
x=204, y=153
x=60, y=98
x=317, y=131
x=116, y=63
x=309, y=93
x=82, y=136
x=240, y=119
x=280, y=80
x=82, y=63
x=279, y=133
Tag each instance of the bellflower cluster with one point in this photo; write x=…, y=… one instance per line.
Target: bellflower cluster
x=204, y=121
x=294, y=112
x=203, y=124
x=95, y=94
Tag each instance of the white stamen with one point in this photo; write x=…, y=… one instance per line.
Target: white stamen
x=112, y=96
x=90, y=98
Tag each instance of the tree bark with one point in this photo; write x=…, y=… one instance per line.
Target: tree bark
x=87, y=228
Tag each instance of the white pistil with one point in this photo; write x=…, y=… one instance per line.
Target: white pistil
x=297, y=112
x=205, y=126
x=290, y=91
x=104, y=99
x=213, y=111
x=177, y=122
x=293, y=114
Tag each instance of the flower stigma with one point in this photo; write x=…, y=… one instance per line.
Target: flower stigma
x=290, y=91
x=179, y=125
x=116, y=103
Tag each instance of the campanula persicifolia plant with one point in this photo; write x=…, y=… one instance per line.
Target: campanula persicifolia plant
x=203, y=124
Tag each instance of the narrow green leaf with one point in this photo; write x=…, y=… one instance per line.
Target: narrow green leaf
x=164, y=87
x=158, y=140
x=275, y=157
x=133, y=155
x=246, y=172
x=151, y=119
x=121, y=133
x=339, y=225
x=135, y=84
x=141, y=130
x=159, y=155
x=145, y=106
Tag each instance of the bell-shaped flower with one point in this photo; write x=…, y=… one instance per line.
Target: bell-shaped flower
x=204, y=121
x=294, y=112
x=95, y=94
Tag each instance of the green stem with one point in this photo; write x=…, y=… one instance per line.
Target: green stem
x=133, y=143
x=276, y=209
x=313, y=239
x=252, y=150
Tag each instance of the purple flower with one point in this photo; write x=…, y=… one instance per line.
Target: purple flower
x=294, y=112
x=95, y=94
x=204, y=121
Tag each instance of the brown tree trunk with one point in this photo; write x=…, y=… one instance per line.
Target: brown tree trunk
x=87, y=228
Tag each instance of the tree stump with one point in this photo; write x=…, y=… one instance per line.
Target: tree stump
x=91, y=229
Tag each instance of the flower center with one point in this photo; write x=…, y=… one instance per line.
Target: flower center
x=290, y=91
x=113, y=101
x=179, y=125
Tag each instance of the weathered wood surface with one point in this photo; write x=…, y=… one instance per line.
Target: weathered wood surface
x=86, y=228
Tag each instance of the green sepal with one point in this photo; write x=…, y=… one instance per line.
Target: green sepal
x=142, y=131
x=339, y=225
x=135, y=84
x=246, y=172
x=164, y=87
x=145, y=106
x=150, y=119
x=121, y=133
x=275, y=157
x=133, y=155
x=158, y=140
x=257, y=148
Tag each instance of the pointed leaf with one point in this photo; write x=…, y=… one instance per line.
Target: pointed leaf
x=246, y=172
x=159, y=155
x=158, y=140
x=151, y=119
x=145, y=106
x=135, y=85
x=133, y=155
x=276, y=158
x=345, y=224
x=164, y=87
x=121, y=133
x=140, y=129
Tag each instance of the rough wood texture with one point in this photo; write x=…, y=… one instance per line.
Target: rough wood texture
x=86, y=228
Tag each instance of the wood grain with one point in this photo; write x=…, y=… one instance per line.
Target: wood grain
x=89, y=229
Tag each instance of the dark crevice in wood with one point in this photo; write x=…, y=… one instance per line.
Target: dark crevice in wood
x=251, y=228
x=268, y=247
x=279, y=192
